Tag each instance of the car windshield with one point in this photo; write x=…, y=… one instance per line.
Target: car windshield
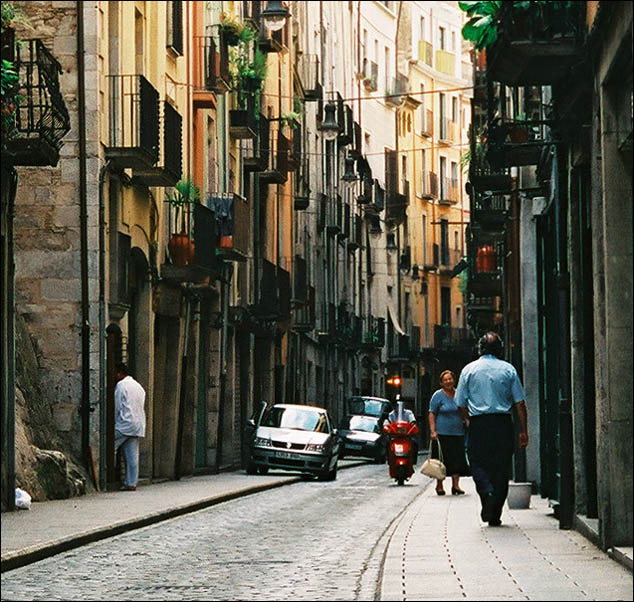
x=296, y=418
x=361, y=423
x=372, y=407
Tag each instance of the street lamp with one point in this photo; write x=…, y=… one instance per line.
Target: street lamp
x=274, y=16
x=329, y=126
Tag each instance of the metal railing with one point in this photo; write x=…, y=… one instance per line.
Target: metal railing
x=134, y=115
x=33, y=130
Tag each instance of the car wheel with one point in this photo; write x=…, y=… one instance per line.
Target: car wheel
x=332, y=475
x=263, y=469
x=251, y=467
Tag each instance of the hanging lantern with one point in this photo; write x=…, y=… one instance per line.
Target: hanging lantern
x=349, y=175
x=274, y=16
x=329, y=126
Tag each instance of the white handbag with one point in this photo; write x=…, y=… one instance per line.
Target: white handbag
x=432, y=467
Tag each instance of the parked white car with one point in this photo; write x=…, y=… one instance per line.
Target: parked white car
x=294, y=437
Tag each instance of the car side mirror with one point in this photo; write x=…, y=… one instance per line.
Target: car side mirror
x=251, y=422
x=335, y=432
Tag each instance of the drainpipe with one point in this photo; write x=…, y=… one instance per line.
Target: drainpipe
x=102, y=328
x=86, y=406
x=10, y=421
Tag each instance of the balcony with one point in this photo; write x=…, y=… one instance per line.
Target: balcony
x=356, y=239
x=485, y=256
x=431, y=257
x=211, y=74
x=425, y=53
x=448, y=132
x=377, y=204
x=234, y=220
x=399, y=348
x=296, y=148
x=267, y=306
x=448, y=258
x=170, y=161
x=453, y=339
x=371, y=73
x=427, y=125
x=346, y=123
x=284, y=293
x=276, y=171
x=429, y=188
x=516, y=143
x=273, y=41
x=373, y=337
x=133, y=122
x=396, y=89
x=301, y=194
x=397, y=202
x=251, y=11
x=32, y=135
x=192, y=247
x=255, y=151
x=490, y=210
x=300, y=281
x=242, y=122
x=537, y=47
x=305, y=316
x=357, y=145
x=449, y=191
x=365, y=192
x=309, y=75
x=446, y=62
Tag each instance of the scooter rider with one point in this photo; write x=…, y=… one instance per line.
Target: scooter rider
x=401, y=414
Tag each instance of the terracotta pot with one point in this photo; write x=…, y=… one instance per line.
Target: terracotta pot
x=182, y=249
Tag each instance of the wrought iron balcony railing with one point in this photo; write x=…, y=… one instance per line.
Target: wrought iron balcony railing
x=133, y=122
x=276, y=171
x=449, y=191
x=170, y=161
x=429, y=188
x=536, y=47
x=35, y=117
x=309, y=75
x=447, y=338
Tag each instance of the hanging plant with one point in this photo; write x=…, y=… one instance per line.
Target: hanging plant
x=234, y=31
x=181, y=246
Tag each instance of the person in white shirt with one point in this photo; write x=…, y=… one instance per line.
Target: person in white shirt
x=129, y=423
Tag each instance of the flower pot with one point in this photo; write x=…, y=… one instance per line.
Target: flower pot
x=519, y=496
x=182, y=249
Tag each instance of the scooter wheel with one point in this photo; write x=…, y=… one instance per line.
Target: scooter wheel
x=400, y=481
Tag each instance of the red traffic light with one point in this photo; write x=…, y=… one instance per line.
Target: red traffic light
x=394, y=380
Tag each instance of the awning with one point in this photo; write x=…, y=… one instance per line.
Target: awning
x=393, y=316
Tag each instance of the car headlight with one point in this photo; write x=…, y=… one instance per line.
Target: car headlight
x=316, y=447
x=262, y=442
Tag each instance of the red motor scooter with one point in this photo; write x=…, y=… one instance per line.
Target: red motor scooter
x=401, y=429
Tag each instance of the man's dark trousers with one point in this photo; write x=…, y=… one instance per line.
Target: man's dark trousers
x=490, y=448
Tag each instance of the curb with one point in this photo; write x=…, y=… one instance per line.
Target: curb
x=20, y=558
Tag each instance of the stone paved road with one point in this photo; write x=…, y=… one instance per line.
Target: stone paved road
x=306, y=541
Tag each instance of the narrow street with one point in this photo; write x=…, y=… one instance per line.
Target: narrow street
x=307, y=541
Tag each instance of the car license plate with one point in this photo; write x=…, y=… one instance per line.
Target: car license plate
x=283, y=454
x=353, y=446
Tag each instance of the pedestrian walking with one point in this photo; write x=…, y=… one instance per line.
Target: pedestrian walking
x=488, y=390
x=447, y=429
x=129, y=426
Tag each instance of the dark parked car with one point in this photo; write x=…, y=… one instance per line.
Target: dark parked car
x=294, y=437
x=367, y=405
x=363, y=436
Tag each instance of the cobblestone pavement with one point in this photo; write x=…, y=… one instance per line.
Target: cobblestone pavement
x=307, y=541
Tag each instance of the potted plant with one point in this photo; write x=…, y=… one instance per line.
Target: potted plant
x=181, y=246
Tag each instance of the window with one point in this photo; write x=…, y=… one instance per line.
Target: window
x=453, y=41
x=441, y=100
x=444, y=242
x=454, y=174
x=445, y=306
x=387, y=69
x=454, y=109
x=421, y=31
x=424, y=238
x=441, y=37
x=443, y=177
x=175, y=26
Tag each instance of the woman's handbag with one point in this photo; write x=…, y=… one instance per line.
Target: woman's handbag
x=432, y=467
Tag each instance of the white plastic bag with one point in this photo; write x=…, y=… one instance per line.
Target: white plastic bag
x=22, y=499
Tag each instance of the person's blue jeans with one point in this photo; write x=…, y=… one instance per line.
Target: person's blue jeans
x=490, y=446
x=130, y=449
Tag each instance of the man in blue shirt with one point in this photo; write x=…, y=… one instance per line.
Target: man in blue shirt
x=488, y=390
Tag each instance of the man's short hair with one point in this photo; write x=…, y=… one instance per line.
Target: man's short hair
x=491, y=344
x=122, y=368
